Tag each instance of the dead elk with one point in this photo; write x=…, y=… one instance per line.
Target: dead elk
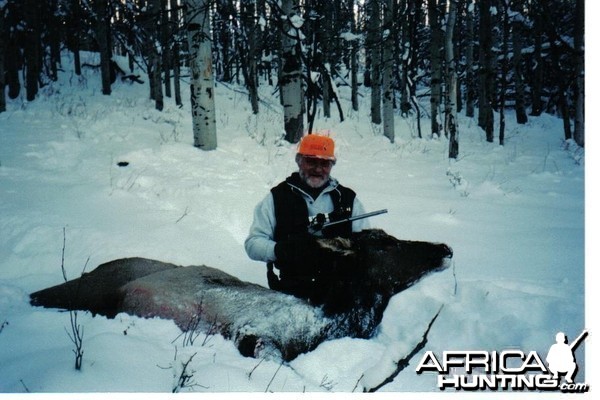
x=366, y=271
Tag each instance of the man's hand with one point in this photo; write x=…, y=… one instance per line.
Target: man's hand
x=299, y=252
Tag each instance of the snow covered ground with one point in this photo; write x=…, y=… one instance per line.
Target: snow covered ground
x=514, y=216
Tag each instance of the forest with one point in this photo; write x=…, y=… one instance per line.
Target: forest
x=427, y=59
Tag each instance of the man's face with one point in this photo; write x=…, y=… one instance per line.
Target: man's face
x=314, y=171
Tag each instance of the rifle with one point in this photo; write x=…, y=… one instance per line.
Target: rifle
x=321, y=221
x=579, y=339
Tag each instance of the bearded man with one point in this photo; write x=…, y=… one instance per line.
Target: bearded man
x=280, y=234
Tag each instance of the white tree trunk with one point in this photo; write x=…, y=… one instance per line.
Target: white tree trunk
x=202, y=80
x=292, y=94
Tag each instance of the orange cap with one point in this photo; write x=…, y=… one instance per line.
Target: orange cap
x=317, y=146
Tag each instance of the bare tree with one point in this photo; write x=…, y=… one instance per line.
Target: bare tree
x=248, y=47
x=223, y=18
x=151, y=23
x=51, y=16
x=353, y=58
x=550, y=78
x=406, y=39
x=412, y=56
x=166, y=36
x=387, y=70
x=504, y=70
x=175, y=28
x=486, y=70
x=579, y=132
x=3, y=35
x=202, y=80
x=103, y=40
x=517, y=25
x=74, y=35
x=323, y=49
x=13, y=60
x=436, y=65
x=33, y=48
x=538, y=67
x=469, y=60
x=290, y=82
x=451, y=122
x=374, y=49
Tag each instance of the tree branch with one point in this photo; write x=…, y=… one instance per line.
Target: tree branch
x=404, y=362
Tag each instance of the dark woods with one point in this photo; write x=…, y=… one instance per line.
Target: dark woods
x=419, y=58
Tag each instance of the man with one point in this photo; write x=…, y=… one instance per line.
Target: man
x=280, y=233
x=561, y=357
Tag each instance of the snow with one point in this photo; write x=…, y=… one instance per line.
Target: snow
x=513, y=214
x=296, y=20
x=349, y=36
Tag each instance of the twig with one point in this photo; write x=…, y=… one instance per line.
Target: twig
x=357, y=382
x=403, y=363
x=24, y=386
x=3, y=325
x=455, y=280
x=191, y=333
x=273, y=377
x=185, y=213
x=327, y=383
x=254, y=368
x=76, y=334
x=62, y=261
x=185, y=378
x=210, y=332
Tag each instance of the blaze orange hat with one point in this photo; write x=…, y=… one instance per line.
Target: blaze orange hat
x=317, y=146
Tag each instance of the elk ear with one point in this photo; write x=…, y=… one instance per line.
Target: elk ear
x=338, y=245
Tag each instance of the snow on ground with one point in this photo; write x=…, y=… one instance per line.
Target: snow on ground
x=513, y=214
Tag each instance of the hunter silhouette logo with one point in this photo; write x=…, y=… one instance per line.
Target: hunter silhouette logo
x=508, y=369
x=561, y=356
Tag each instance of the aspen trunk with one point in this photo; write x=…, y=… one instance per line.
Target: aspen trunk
x=291, y=77
x=202, y=80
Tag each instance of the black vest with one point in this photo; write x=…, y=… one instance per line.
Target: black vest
x=291, y=212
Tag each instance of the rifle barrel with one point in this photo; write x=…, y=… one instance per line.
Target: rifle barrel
x=577, y=341
x=356, y=217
